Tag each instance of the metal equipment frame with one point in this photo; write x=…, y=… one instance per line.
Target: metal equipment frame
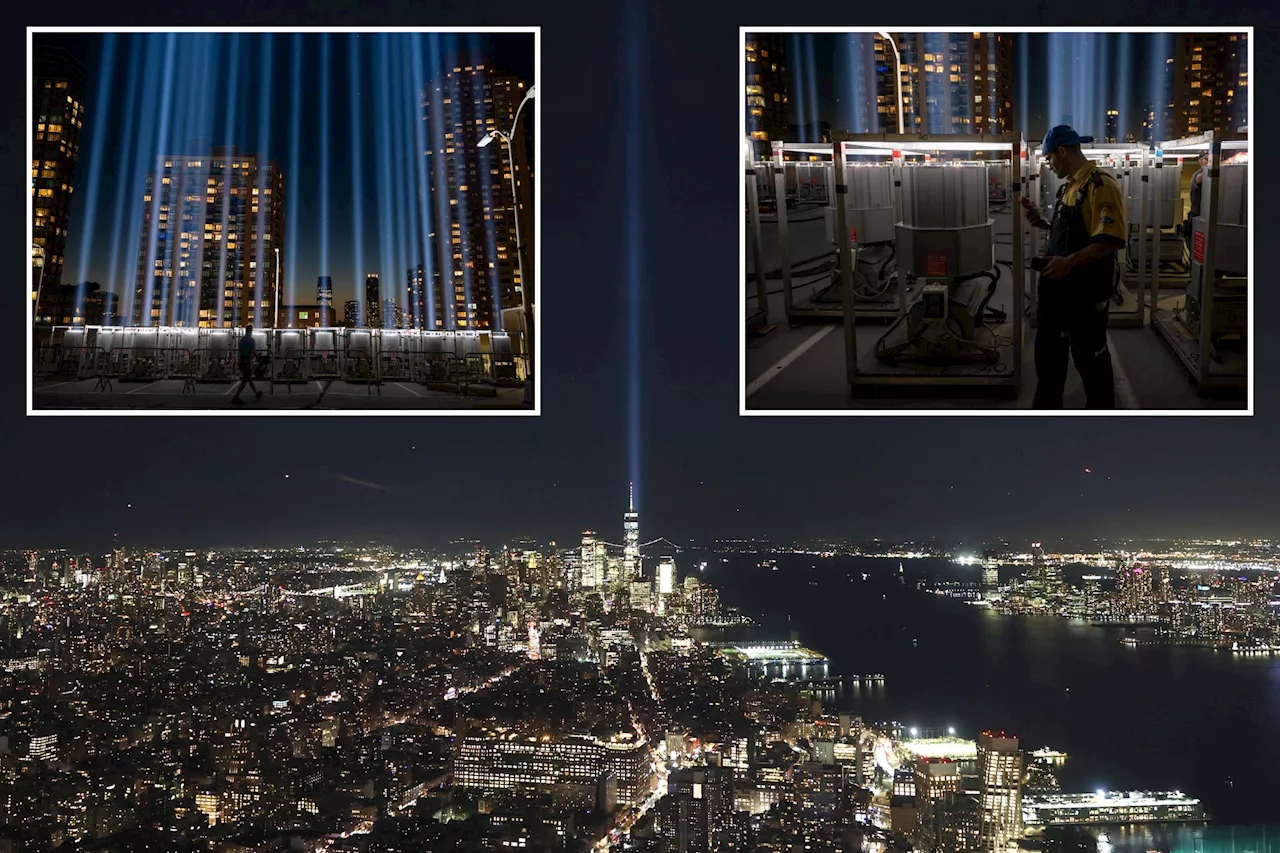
x=862, y=377
x=1195, y=352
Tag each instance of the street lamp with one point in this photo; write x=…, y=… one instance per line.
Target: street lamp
x=525, y=304
x=276, y=325
x=897, y=63
x=38, y=251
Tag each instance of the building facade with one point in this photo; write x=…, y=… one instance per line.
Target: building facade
x=1210, y=83
x=951, y=82
x=324, y=301
x=212, y=241
x=1000, y=791
x=477, y=271
x=766, y=94
x=58, y=89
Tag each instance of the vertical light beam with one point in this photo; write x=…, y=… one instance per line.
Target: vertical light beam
x=153, y=236
x=264, y=284
x=125, y=178
x=440, y=183
x=422, y=163
x=226, y=290
x=634, y=237
x=324, y=169
x=291, y=179
x=357, y=179
x=100, y=106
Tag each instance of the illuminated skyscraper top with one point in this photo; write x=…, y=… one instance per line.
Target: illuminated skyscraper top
x=631, y=538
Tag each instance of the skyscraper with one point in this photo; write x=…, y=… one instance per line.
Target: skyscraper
x=697, y=809
x=951, y=82
x=1000, y=787
x=593, y=561
x=477, y=273
x=426, y=303
x=58, y=112
x=372, y=307
x=1112, y=133
x=211, y=224
x=324, y=300
x=766, y=58
x=1210, y=83
x=631, y=538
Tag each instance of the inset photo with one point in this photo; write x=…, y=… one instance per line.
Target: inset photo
x=996, y=221
x=283, y=222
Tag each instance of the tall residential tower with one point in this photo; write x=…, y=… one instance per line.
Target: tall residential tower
x=58, y=83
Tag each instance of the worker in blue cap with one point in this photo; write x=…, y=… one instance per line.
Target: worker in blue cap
x=1078, y=276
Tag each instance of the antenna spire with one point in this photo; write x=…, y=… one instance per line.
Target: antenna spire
x=631, y=497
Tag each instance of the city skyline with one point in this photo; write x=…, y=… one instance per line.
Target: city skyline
x=1053, y=78
x=324, y=198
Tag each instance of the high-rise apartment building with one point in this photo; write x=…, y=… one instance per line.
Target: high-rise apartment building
x=1000, y=791
x=1112, y=131
x=766, y=58
x=212, y=239
x=421, y=297
x=477, y=271
x=697, y=809
x=951, y=82
x=1210, y=83
x=58, y=84
x=371, y=309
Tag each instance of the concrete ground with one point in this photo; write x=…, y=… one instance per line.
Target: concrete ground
x=802, y=367
x=166, y=394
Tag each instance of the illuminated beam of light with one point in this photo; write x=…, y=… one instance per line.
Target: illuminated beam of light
x=798, y=87
x=225, y=288
x=386, y=215
x=161, y=136
x=357, y=178
x=636, y=77
x=143, y=162
x=203, y=80
x=812, y=83
x=264, y=284
x=440, y=184
x=100, y=106
x=871, y=76
x=1057, y=81
x=421, y=170
x=402, y=110
x=406, y=133
x=487, y=155
x=1124, y=79
x=289, y=282
x=1024, y=84
x=125, y=180
x=1104, y=81
x=324, y=169
x=850, y=117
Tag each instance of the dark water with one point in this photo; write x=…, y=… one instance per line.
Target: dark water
x=1147, y=718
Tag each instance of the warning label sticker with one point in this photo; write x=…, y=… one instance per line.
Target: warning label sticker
x=1197, y=249
x=936, y=264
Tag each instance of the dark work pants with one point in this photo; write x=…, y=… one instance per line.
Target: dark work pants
x=1080, y=334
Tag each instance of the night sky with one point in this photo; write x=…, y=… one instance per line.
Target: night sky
x=704, y=471
x=1119, y=70
x=261, y=67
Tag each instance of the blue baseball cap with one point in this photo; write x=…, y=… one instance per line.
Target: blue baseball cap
x=1062, y=135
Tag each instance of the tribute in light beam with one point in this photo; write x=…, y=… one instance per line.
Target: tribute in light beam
x=633, y=167
x=127, y=170
x=100, y=105
x=424, y=254
x=357, y=180
x=224, y=279
x=262, y=284
x=330, y=319
x=291, y=182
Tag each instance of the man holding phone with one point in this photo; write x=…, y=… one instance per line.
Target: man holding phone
x=1077, y=275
